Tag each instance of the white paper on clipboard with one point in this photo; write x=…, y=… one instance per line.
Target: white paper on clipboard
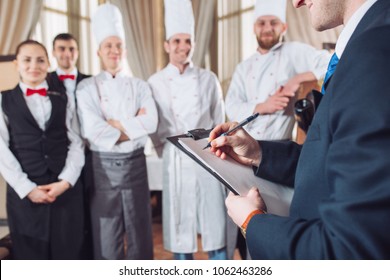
x=241, y=177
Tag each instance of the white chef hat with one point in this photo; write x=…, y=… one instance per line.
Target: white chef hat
x=271, y=8
x=107, y=22
x=179, y=18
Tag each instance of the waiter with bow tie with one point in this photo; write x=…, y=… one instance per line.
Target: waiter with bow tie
x=65, y=80
x=41, y=161
x=66, y=77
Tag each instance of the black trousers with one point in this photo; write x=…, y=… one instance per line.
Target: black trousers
x=47, y=231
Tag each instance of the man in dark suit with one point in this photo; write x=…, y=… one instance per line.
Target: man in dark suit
x=65, y=80
x=341, y=204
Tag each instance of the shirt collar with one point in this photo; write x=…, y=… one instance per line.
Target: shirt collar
x=24, y=87
x=108, y=75
x=273, y=49
x=350, y=27
x=174, y=71
x=59, y=71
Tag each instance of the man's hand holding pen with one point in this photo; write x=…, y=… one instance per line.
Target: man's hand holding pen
x=238, y=145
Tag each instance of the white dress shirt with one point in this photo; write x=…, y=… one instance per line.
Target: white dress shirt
x=350, y=27
x=40, y=107
x=103, y=97
x=258, y=77
x=70, y=85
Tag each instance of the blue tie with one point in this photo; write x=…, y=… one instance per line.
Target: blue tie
x=331, y=68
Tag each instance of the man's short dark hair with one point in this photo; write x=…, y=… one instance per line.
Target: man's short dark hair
x=65, y=37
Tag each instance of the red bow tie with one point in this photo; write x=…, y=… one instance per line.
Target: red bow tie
x=40, y=91
x=64, y=77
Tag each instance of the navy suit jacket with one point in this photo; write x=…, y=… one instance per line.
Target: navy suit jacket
x=341, y=204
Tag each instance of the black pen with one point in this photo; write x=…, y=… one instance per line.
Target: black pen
x=241, y=124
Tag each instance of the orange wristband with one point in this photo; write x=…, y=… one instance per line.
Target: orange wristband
x=247, y=220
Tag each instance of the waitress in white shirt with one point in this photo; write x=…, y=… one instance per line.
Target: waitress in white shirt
x=41, y=160
x=188, y=97
x=116, y=114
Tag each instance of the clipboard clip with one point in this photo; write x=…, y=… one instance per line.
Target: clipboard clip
x=198, y=133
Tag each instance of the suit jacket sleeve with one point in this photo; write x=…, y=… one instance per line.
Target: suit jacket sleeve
x=278, y=161
x=353, y=221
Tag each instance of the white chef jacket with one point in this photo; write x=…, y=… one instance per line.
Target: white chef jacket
x=40, y=107
x=258, y=77
x=105, y=97
x=193, y=200
x=191, y=100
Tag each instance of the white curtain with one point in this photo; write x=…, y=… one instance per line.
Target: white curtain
x=204, y=12
x=74, y=26
x=18, y=19
x=141, y=41
x=229, y=40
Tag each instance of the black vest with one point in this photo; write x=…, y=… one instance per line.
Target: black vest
x=37, y=151
x=55, y=83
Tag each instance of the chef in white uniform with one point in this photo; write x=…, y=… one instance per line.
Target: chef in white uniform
x=267, y=81
x=117, y=113
x=187, y=97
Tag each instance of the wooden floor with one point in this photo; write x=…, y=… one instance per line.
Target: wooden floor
x=161, y=254
x=158, y=247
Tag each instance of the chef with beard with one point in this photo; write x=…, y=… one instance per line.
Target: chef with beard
x=267, y=82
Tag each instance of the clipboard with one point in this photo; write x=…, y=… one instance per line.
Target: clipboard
x=277, y=197
x=197, y=134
